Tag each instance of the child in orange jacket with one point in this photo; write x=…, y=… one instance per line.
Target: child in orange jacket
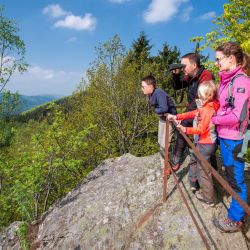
x=204, y=138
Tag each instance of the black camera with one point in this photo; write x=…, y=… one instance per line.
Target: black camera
x=176, y=66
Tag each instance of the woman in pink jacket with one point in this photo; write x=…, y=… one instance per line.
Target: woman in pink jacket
x=231, y=121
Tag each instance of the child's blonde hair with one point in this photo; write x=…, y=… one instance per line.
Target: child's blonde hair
x=207, y=91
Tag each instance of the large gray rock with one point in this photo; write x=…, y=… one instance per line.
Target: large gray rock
x=9, y=239
x=119, y=206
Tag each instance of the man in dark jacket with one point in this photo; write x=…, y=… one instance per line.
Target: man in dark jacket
x=194, y=74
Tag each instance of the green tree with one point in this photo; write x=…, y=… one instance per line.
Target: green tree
x=9, y=108
x=233, y=24
x=113, y=99
x=110, y=55
x=140, y=51
x=40, y=168
x=198, y=51
x=12, y=50
x=165, y=57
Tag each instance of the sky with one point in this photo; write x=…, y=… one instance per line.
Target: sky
x=61, y=36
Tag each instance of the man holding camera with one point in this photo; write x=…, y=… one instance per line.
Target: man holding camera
x=194, y=74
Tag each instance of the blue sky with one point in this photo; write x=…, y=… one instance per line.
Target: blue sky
x=60, y=36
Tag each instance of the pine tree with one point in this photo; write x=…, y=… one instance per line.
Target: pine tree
x=140, y=51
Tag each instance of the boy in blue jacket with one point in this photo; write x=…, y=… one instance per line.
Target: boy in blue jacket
x=162, y=104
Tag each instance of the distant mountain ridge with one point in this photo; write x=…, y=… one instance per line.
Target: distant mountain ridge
x=40, y=111
x=28, y=102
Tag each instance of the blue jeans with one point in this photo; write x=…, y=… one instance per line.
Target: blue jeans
x=235, y=175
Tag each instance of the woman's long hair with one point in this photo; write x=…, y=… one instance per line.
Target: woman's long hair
x=233, y=48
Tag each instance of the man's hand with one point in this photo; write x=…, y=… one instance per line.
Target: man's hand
x=176, y=71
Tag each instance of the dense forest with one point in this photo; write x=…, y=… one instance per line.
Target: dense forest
x=45, y=152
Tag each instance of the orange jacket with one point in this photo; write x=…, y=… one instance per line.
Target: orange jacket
x=203, y=125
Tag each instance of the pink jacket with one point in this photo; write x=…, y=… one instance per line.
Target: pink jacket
x=227, y=118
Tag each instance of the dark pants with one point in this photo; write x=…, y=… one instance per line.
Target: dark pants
x=181, y=144
x=203, y=176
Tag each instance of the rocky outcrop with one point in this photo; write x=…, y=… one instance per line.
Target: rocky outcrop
x=119, y=206
x=9, y=239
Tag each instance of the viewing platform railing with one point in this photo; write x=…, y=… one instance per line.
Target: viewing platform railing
x=206, y=167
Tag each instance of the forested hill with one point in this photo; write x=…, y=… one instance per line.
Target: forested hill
x=28, y=102
x=39, y=112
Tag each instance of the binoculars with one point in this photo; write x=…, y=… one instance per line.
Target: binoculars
x=176, y=66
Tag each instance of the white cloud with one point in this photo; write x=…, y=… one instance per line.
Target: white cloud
x=55, y=11
x=208, y=15
x=185, y=16
x=118, y=1
x=162, y=10
x=68, y=20
x=38, y=80
x=87, y=22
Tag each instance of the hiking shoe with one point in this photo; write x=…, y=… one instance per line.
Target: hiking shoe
x=201, y=198
x=226, y=225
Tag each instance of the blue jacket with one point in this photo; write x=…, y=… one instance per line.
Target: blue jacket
x=162, y=102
